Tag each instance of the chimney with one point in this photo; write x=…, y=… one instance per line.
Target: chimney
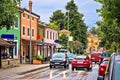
x=30, y=5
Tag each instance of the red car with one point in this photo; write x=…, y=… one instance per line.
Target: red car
x=81, y=62
x=95, y=56
x=102, y=67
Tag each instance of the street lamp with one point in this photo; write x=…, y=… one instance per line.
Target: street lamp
x=30, y=11
x=68, y=30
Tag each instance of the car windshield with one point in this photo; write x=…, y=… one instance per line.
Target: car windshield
x=58, y=55
x=105, y=54
x=105, y=62
x=80, y=58
x=71, y=55
x=116, y=71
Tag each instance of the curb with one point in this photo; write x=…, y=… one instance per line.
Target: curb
x=24, y=72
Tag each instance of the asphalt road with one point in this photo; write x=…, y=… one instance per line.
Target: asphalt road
x=60, y=73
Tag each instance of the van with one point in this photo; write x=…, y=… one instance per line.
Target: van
x=95, y=56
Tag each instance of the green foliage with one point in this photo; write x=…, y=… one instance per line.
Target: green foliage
x=8, y=10
x=111, y=50
x=39, y=57
x=76, y=24
x=71, y=21
x=57, y=17
x=75, y=46
x=63, y=40
x=54, y=25
x=110, y=23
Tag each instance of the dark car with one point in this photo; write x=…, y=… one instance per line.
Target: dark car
x=71, y=56
x=112, y=71
x=104, y=55
x=102, y=67
x=59, y=59
x=81, y=61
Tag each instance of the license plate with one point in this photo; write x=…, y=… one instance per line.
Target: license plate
x=79, y=62
x=56, y=63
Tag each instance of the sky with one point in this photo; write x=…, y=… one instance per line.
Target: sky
x=45, y=9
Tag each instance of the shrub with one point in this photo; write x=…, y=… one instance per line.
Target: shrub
x=39, y=57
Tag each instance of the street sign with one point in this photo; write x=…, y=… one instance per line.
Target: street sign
x=56, y=41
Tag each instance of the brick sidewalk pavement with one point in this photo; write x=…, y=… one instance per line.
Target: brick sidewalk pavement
x=24, y=68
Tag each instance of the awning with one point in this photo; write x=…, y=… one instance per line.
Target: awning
x=58, y=45
x=5, y=43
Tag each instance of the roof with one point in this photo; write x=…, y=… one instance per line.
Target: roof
x=31, y=12
x=4, y=43
x=64, y=31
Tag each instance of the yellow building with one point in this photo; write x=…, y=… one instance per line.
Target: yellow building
x=93, y=42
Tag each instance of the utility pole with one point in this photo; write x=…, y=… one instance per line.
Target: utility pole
x=30, y=10
x=68, y=30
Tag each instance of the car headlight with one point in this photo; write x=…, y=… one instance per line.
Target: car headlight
x=50, y=59
x=63, y=59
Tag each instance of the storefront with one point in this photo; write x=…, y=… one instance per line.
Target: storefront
x=6, y=55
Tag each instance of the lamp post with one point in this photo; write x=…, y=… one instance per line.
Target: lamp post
x=30, y=10
x=68, y=30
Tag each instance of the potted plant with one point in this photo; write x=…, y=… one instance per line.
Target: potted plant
x=38, y=59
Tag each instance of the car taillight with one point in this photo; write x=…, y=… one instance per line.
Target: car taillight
x=74, y=61
x=102, y=68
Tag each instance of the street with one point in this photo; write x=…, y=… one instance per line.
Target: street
x=60, y=73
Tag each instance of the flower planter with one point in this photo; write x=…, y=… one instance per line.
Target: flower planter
x=37, y=62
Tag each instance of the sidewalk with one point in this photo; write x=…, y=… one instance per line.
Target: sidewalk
x=24, y=68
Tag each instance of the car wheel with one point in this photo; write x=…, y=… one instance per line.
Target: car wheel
x=65, y=66
x=50, y=66
x=90, y=68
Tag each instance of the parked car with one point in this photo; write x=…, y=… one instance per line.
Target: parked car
x=102, y=67
x=59, y=59
x=112, y=71
x=104, y=55
x=71, y=56
x=81, y=61
x=95, y=56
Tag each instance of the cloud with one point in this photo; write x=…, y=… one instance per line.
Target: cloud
x=45, y=8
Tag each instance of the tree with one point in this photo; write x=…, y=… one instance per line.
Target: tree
x=76, y=24
x=8, y=10
x=75, y=46
x=54, y=25
x=57, y=17
x=63, y=40
x=110, y=22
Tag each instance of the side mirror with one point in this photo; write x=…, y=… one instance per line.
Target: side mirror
x=100, y=78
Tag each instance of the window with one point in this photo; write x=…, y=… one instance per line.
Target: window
x=56, y=35
x=33, y=18
x=23, y=30
x=50, y=35
x=28, y=17
x=24, y=15
x=32, y=32
x=16, y=22
x=47, y=34
x=53, y=35
x=28, y=31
